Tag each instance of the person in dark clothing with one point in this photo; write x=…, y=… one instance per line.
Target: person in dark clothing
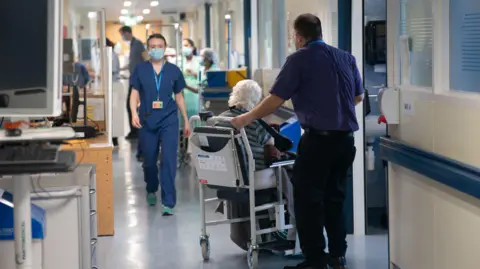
x=325, y=86
x=137, y=55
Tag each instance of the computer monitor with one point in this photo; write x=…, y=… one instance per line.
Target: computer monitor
x=31, y=58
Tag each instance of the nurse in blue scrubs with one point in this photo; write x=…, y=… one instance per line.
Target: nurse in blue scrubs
x=157, y=87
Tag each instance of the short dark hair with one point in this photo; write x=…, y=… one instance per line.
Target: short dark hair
x=308, y=26
x=126, y=29
x=110, y=43
x=159, y=36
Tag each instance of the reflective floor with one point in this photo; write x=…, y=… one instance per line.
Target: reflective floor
x=146, y=240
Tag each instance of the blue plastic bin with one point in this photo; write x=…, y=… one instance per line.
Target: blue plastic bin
x=216, y=79
x=6, y=219
x=292, y=129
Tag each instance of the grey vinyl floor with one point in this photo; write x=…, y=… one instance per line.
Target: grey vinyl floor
x=146, y=240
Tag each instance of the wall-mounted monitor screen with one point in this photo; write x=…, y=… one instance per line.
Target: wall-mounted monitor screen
x=31, y=57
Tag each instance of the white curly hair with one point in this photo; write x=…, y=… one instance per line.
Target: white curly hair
x=245, y=95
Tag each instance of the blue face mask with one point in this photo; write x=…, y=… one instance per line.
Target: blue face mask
x=157, y=53
x=187, y=51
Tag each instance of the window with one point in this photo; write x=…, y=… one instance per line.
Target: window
x=416, y=32
x=465, y=45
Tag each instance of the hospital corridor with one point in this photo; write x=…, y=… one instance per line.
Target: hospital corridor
x=145, y=239
x=239, y=134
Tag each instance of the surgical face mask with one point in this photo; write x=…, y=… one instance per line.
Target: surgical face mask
x=187, y=51
x=156, y=53
x=124, y=38
x=202, y=62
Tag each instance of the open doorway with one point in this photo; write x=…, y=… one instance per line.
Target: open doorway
x=375, y=78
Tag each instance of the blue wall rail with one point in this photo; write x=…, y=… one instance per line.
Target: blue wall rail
x=462, y=177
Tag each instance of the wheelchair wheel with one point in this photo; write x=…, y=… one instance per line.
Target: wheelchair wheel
x=205, y=244
x=252, y=257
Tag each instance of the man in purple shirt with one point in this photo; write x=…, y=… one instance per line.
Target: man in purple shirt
x=325, y=86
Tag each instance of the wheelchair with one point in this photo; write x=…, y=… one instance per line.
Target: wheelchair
x=224, y=162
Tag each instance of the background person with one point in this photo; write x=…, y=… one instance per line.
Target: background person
x=208, y=62
x=325, y=86
x=191, y=65
x=137, y=55
x=157, y=87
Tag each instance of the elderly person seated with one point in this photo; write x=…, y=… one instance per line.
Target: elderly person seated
x=245, y=96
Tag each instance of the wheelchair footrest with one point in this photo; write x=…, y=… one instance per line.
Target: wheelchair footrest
x=278, y=246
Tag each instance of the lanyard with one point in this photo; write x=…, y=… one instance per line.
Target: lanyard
x=158, y=81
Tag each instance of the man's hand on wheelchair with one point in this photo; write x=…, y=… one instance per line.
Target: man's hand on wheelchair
x=241, y=121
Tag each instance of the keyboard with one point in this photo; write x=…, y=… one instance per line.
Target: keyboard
x=30, y=154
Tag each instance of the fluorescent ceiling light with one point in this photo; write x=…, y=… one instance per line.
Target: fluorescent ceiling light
x=92, y=15
x=146, y=11
x=127, y=4
x=154, y=3
x=139, y=18
x=124, y=11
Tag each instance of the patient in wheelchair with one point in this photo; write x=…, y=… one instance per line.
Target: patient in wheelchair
x=246, y=95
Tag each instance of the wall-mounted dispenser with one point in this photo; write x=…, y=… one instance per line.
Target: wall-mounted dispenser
x=389, y=100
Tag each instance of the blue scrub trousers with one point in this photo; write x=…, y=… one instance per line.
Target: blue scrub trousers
x=167, y=135
x=139, y=148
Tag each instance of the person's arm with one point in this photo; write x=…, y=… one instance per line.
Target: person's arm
x=181, y=106
x=134, y=101
x=359, y=91
x=285, y=86
x=84, y=74
x=193, y=89
x=135, y=97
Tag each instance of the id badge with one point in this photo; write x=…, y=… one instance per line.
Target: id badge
x=157, y=105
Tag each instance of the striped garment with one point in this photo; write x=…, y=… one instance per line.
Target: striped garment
x=257, y=137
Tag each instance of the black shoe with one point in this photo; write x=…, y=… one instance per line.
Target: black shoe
x=115, y=141
x=337, y=263
x=304, y=265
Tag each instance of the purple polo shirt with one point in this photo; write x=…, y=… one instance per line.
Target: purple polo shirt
x=322, y=82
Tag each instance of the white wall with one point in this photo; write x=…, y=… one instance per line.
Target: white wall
x=433, y=226
x=326, y=10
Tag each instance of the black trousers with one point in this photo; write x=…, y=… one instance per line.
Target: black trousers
x=319, y=182
x=133, y=130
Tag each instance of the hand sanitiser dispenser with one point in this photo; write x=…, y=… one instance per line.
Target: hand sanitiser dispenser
x=389, y=99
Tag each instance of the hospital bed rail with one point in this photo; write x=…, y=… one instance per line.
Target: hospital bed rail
x=239, y=183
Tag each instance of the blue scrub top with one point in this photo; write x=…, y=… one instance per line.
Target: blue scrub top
x=171, y=82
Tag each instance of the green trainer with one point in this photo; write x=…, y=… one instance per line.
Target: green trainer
x=167, y=211
x=152, y=199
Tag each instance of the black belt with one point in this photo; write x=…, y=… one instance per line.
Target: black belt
x=309, y=130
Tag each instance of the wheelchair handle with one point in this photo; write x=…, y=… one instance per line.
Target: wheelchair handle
x=251, y=162
x=221, y=118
